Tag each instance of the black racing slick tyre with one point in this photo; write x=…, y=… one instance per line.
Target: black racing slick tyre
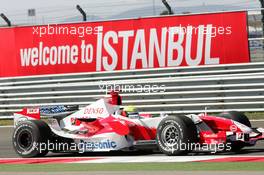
x=29, y=138
x=238, y=117
x=176, y=135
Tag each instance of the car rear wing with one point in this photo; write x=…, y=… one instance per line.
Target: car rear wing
x=36, y=113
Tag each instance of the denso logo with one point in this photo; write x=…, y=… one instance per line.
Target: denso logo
x=93, y=110
x=32, y=111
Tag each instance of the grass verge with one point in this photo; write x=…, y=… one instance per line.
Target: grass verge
x=6, y=122
x=194, y=166
x=255, y=115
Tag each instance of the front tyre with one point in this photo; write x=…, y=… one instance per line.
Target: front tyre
x=176, y=135
x=28, y=137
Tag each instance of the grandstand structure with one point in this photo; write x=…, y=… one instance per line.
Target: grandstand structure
x=215, y=88
x=255, y=36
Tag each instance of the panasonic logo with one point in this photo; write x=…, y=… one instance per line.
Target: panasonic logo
x=108, y=144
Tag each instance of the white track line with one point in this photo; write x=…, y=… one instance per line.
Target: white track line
x=8, y=126
x=153, y=159
x=141, y=159
x=257, y=120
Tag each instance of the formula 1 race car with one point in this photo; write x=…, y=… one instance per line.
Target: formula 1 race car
x=102, y=126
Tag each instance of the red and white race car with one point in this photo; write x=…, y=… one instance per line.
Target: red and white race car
x=102, y=126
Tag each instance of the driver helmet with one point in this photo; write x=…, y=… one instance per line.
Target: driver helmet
x=131, y=111
x=130, y=108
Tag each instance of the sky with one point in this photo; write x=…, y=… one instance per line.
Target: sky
x=13, y=5
x=57, y=10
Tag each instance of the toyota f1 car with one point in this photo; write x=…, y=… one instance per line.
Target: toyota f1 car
x=102, y=127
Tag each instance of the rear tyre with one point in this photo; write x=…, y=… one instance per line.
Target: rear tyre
x=28, y=136
x=238, y=117
x=175, y=135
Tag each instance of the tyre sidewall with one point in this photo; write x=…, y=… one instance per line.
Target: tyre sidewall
x=183, y=136
x=34, y=130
